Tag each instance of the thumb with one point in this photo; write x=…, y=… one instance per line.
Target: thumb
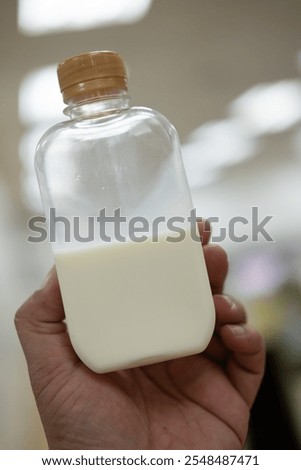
x=42, y=331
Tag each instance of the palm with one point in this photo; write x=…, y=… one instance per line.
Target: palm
x=180, y=404
x=199, y=402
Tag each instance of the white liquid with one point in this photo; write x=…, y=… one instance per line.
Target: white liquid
x=131, y=304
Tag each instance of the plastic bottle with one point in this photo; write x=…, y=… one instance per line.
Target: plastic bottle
x=133, y=293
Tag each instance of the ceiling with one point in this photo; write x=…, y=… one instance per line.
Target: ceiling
x=189, y=60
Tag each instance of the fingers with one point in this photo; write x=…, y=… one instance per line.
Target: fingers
x=237, y=347
x=228, y=311
x=245, y=366
x=217, y=267
x=215, y=257
x=40, y=327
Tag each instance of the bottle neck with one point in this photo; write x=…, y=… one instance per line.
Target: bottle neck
x=98, y=106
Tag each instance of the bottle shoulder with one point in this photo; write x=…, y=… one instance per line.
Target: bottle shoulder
x=52, y=133
x=152, y=114
x=139, y=124
x=119, y=122
x=149, y=113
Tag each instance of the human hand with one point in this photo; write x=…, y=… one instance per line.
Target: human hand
x=197, y=402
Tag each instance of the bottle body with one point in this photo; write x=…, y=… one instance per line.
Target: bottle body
x=116, y=183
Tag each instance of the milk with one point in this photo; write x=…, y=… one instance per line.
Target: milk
x=131, y=304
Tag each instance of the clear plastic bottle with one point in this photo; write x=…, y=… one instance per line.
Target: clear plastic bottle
x=133, y=293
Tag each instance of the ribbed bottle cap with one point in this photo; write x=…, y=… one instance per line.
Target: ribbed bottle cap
x=86, y=76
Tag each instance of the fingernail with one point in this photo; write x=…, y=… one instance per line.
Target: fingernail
x=230, y=302
x=46, y=280
x=237, y=330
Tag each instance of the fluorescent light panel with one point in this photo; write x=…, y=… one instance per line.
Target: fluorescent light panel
x=40, y=98
x=213, y=146
x=38, y=17
x=269, y=108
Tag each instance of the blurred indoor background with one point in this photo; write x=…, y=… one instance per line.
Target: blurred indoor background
x=227, y=74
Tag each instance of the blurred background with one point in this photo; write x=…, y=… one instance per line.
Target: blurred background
x=226, y=73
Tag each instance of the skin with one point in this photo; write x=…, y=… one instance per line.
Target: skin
x=198, y=402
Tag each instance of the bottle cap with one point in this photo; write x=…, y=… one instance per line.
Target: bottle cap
x=91, y=75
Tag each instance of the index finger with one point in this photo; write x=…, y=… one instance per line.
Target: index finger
x=217, y=267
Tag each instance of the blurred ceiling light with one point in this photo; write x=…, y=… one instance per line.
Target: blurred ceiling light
x=40, y=106
x=38, y=17
x=39, y=97
x=213, y=146
x=269, y=108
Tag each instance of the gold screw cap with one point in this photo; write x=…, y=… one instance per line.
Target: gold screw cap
x=91, y=75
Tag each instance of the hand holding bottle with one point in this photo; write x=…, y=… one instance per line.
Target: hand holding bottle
x=197, y=402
